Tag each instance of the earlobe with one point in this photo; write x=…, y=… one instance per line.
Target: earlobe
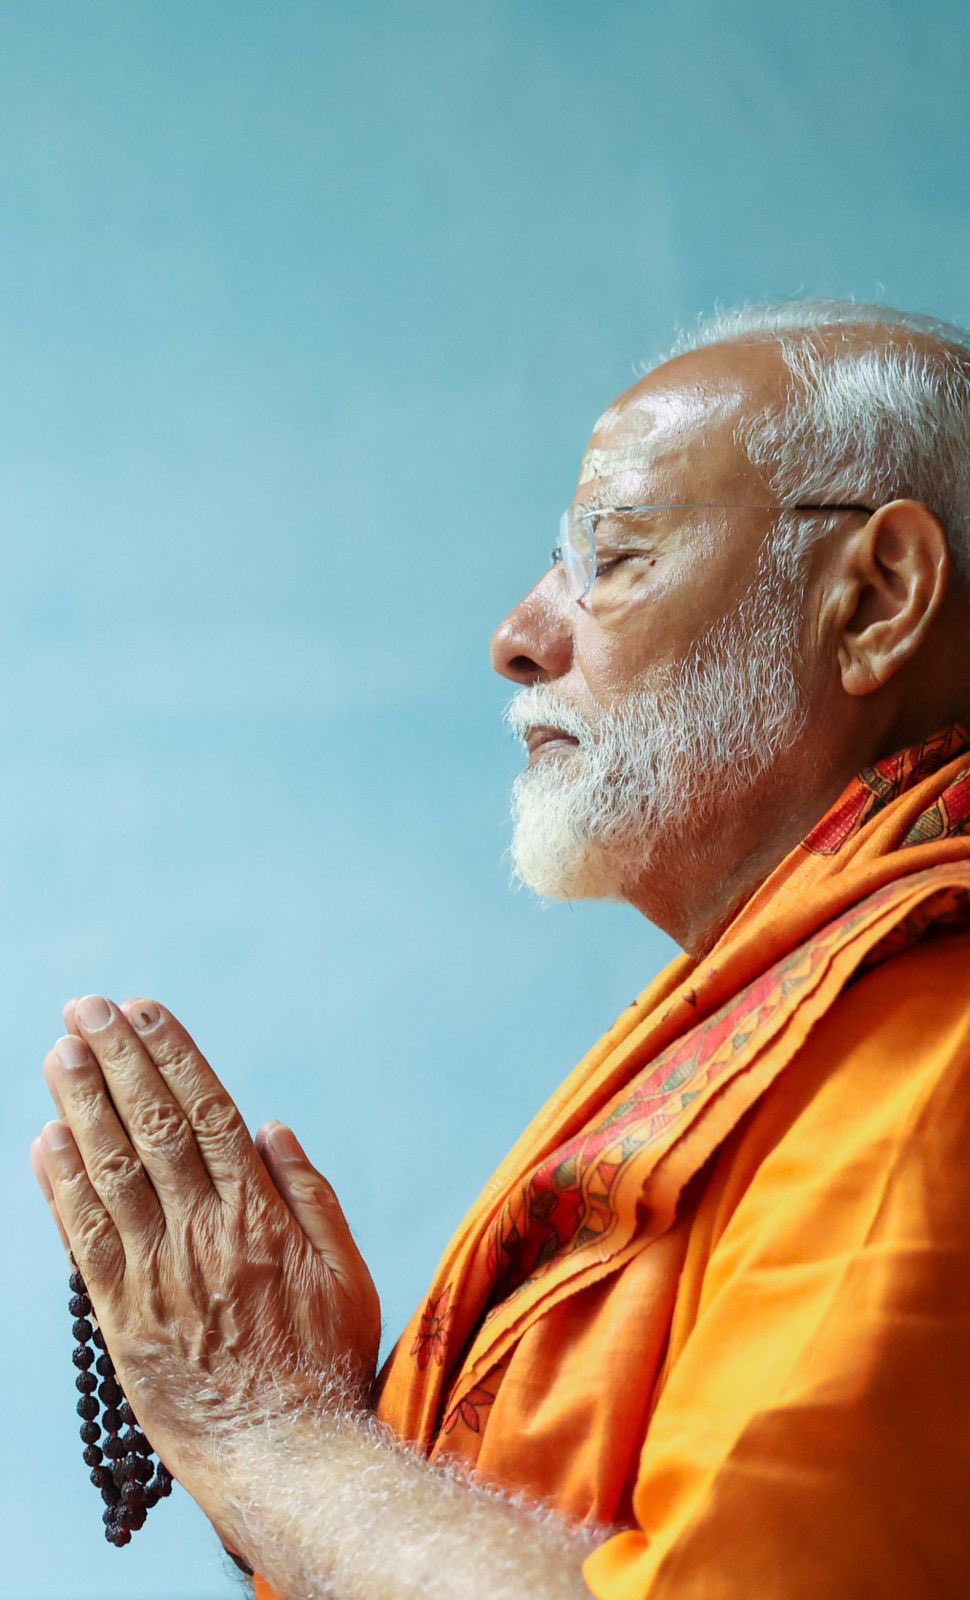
x=858, y=677
x=895, y=579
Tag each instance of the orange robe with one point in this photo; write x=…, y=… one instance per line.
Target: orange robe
x=718, y=1296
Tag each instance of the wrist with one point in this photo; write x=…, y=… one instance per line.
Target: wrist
x=244, y=1491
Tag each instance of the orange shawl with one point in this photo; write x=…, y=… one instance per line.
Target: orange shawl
x=550, y=1333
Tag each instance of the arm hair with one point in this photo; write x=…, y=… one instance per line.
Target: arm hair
x=328, y=1505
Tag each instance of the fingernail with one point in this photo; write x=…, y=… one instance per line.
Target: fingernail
x=56, y=1136
x=93, y=1013
x=72, y=1052
x=143, y=1015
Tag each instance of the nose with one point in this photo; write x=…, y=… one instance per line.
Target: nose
x=534, y=644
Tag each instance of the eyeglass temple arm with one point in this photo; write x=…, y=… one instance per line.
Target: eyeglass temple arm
x=807, y=506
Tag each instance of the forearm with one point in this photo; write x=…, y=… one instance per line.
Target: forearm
x=334, y=1509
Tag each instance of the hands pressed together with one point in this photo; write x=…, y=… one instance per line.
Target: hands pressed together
x=230, y=1293
x=221, y=1269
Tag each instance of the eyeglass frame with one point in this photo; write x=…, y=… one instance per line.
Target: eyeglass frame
x=573, y=569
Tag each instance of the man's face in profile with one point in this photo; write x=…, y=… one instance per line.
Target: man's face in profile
x=675, y=685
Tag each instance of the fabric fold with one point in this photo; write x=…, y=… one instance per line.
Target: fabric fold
x=598, y=1175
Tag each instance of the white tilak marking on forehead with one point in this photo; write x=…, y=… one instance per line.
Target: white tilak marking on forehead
x=607, y=463
x=609, y=419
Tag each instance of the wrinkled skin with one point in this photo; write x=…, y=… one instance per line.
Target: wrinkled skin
x=882, y=626
x=221, y=1270
x=225, y=1276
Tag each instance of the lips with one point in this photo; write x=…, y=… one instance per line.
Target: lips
x=542, y=740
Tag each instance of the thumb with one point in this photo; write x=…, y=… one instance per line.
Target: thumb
x=306, y=1192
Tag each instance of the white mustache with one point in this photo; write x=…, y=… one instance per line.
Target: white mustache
x=540, y=706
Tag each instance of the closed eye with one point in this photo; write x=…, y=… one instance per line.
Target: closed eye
x=607, y=563
x=603, y=567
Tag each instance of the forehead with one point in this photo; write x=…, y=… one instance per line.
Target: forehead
x=673, y=435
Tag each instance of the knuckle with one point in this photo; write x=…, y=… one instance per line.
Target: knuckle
x=88, y=1101
x=172, y=1056
x=96, y=1245
x=303, y=1188
x=116, y=1052
x=161, y=1129
x=215, y=1117
x=118, y=1173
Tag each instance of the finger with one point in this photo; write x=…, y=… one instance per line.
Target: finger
x=40, y=1173
x=51, y=1078
x=146, y=1106
x=225, y=1147
x=92, y=1237
x=111, y=1164
x=309, y=1197
x=68, y=1015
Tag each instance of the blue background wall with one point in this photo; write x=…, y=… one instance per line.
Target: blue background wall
x=305, y=313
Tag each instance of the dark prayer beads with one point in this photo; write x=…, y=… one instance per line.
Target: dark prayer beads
x=121, y=1466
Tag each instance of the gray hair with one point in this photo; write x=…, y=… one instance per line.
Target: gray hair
x=859, y=423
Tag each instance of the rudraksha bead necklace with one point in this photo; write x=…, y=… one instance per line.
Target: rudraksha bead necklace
x=122, y=1466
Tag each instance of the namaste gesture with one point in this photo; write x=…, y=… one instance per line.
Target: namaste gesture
x=222, y=1270
x=704, y=1333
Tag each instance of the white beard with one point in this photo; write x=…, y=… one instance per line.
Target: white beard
x=661, y=767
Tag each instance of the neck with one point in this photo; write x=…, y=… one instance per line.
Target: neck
x=709, y=872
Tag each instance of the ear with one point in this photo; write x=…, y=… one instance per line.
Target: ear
x=893, y=577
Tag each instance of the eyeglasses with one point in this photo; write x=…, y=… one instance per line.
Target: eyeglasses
x=591, y=541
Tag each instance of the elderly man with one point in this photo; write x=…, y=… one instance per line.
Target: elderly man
x=705, y=1332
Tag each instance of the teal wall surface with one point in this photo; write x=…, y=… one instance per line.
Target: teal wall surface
x=306, y=310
